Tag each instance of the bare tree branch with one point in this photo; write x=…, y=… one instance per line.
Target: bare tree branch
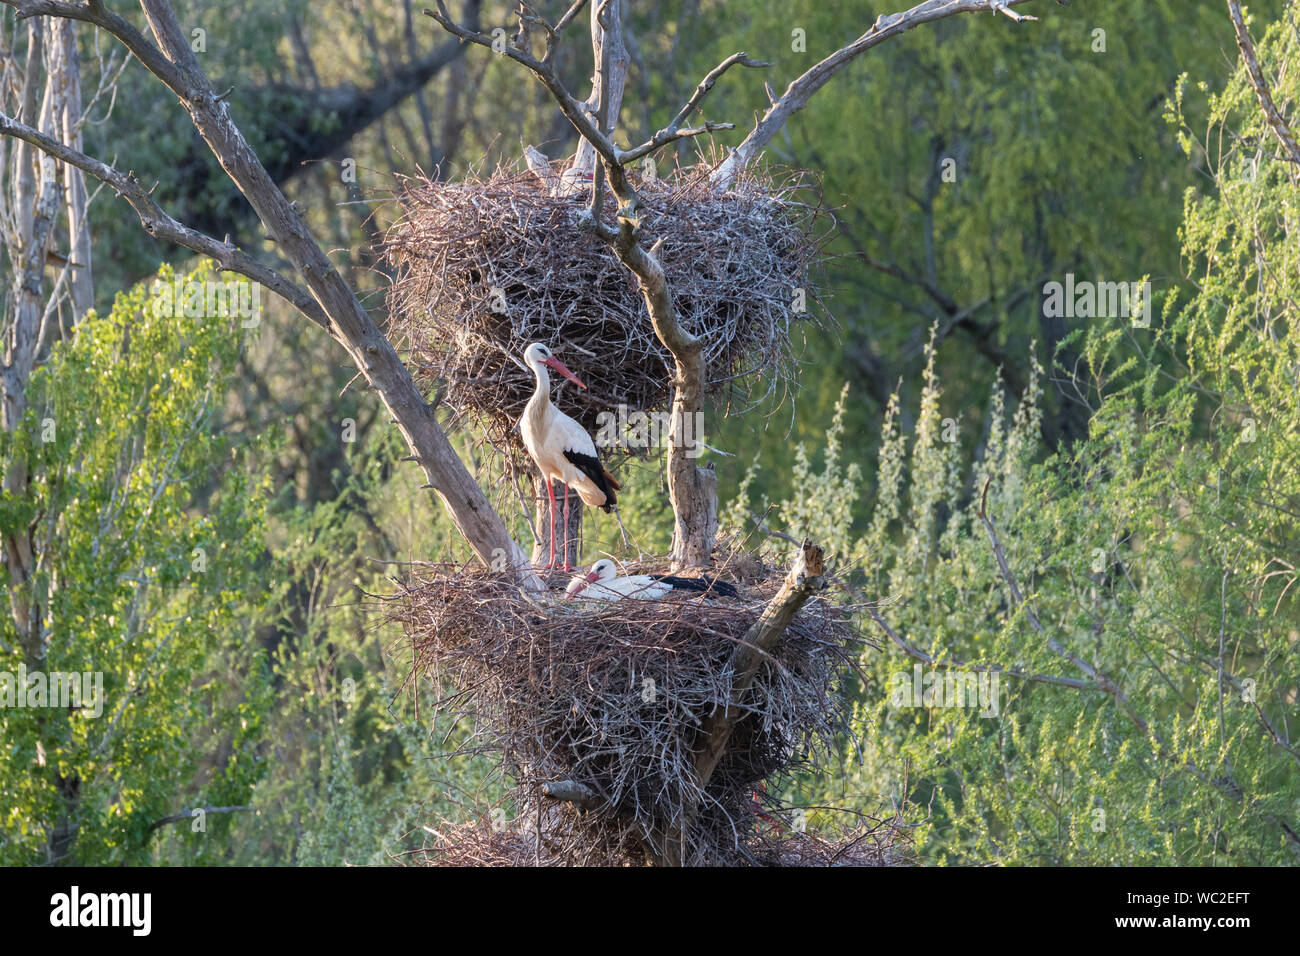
x=81, y=286
x=674, y=130
x=802, y=582
x=804, y=579
x=95, y=12
x=573, y=110
x=1102, y=681
x=191, y=814
x=571, y=791
x=580, y=114
x=160, y=225
x=916, y=653
x=1272, y=115
x=801, y=90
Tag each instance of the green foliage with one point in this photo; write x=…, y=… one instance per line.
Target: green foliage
x=1137, y=557
x=353, y=768
x=645, y=508
x=1159, y=550
x=1158, y=553
x=148, y=526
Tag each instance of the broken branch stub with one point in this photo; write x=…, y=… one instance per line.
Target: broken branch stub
x=804, y=580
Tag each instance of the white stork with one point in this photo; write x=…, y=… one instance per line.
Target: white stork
x=602, y=583
x=561, y=448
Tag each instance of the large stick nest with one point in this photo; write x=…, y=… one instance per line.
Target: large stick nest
x=484, y=842
x=484, y=266
x=613, y=695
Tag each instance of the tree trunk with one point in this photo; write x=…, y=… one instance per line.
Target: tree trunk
x=804, y=579
x=35, y=207
x=36, y=199
x=608, y=81
x=81, y=283
x=693, y=490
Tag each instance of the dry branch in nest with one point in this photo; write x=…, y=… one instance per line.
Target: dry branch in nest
x=485, y=266
x=603, y=705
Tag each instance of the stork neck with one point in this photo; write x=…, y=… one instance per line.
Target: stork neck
x=543, y=382
x=538, y=410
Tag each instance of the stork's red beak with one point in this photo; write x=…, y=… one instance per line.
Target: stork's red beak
x=578, y=586
x=563, y=369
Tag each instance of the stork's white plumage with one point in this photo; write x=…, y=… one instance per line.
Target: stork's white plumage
x=561, y=447
x=602, y=583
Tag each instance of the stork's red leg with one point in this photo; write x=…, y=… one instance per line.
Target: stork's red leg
x=550, y=494
x=567, y=565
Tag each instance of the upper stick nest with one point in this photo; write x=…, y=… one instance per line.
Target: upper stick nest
x=485, y=266
x=613, y=695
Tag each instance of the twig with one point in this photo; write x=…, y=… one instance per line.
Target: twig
x=191, y=814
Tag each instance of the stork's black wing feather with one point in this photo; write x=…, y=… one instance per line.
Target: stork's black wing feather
x=590, y=466
x=701, y=584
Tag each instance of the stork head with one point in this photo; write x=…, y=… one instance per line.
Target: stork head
x=602, y=570
x=538, y=354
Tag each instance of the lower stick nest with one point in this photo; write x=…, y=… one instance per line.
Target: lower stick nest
x=484, y=842
x=612, y=696
x=484, y=266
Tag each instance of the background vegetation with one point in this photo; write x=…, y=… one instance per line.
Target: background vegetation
x=1143, y=483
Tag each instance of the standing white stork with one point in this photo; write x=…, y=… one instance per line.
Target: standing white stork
x=561, y=448
x=602, y=583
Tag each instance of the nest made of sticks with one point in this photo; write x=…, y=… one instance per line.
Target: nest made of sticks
x=486, y=265
x=872, y=842
x=613, y=696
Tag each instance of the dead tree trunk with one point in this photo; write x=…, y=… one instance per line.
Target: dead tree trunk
x=81, y=283
x=804, y=579
x=49, y=97
x=693, y=490
x=34, y=206
x=608, y=80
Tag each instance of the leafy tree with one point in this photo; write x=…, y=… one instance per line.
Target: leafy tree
x=149, y=523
